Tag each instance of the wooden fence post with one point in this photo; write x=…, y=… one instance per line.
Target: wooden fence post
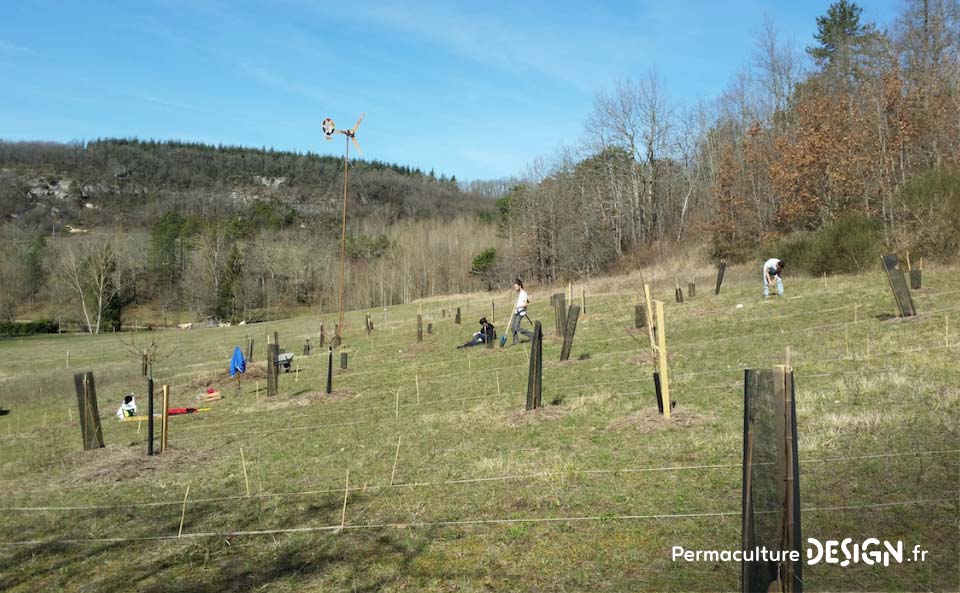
x=330, y=371
x=150, y=416
x=664, y=379
x=569, y=331
x=456, y=319
x=343, y=360
x=273, y=353
x=535, y=373
x=306, y=347
x=898, y=286
x=721, y=269
x=164, y=418
x=89, y=413
x=559, y=301
x=771, y=480
x=420, y=324
x=691, y=290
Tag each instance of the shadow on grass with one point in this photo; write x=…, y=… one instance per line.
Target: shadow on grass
x=357, y=560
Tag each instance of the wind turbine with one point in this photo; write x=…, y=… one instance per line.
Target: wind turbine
x=329, y=129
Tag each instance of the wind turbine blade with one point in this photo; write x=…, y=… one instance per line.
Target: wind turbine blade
x=357, y=144
x=358, y=122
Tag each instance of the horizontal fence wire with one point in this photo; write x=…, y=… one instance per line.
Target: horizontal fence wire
x=466, y=522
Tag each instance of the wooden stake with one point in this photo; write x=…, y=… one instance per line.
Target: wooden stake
x=164, y=418
x=396, y=458
x=786, y=357
x=346, y=490
x=183, y=513
x=662, y=358
x=416, y=378
x=583, y=300
x=296, y=376
x=243, y=462
x=653, y=346
x=398, y=405
x=498, y=383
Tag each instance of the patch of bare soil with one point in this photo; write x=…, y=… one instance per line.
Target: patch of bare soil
x=310, y=398
x=115, y=463
x=650, y=420
x=223, y=381
x=544, y=414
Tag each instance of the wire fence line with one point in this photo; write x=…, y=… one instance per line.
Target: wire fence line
x=674, y=346
x=469, y=480
x=548, y=390
x=581, y=343
x=390, y=387
x=843, y=359
x=213, y=374
x=390, y=409
x=466, y=522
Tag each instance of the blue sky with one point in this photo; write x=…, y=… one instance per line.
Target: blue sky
x=475, y=89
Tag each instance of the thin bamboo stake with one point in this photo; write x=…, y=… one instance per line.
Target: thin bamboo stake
x=243, y=462
x=498, y=383
x=398, y=405
x=164, y=419
x=396, y=458
x=183, y=513
x=417, y=379
x=346, y=491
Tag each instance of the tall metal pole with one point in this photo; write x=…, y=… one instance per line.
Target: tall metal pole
x=343, y=232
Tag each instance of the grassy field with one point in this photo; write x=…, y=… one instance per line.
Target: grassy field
x=423, y=472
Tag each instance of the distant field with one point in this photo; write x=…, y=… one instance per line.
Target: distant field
x=588, y=494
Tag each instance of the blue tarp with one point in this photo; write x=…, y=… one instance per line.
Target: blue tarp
x=237, y=363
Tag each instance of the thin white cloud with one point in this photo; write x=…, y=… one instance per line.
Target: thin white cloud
x=571, y=55
x=12, y=48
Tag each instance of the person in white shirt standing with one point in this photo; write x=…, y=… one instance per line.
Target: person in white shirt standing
x=520, y=311
x=772, y=268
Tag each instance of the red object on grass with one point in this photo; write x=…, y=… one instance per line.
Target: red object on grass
x=178, y=411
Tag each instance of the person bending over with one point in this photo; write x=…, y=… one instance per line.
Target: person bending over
x=772, y=268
